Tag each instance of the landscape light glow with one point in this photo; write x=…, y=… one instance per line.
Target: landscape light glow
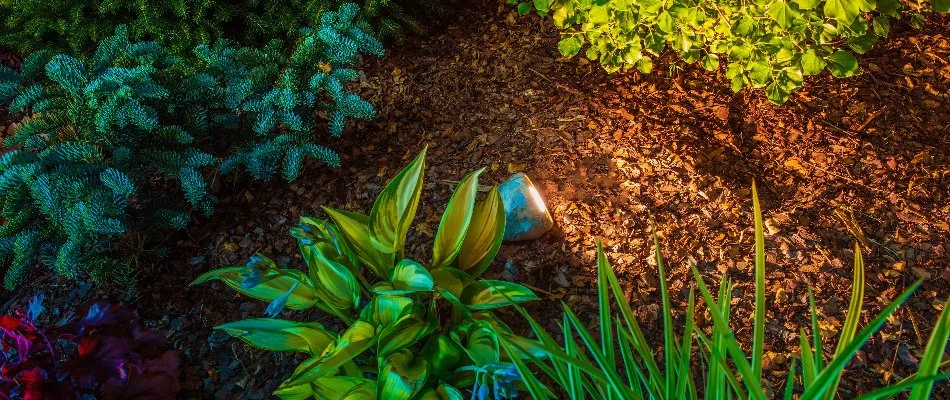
x=536, y=196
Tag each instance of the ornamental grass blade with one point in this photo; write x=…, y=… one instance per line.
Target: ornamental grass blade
x=572, y=376
x=654, y=380
x=609, y=370
x=535, y=387
x=739, y=358
x=790, y=382
x=758, y=325
x=721, y=391
x=832, y=373
x=854, y=313
x=933, y=353
x=808, y=362
x=555, y=352
x=817, y=345
x=716, y=375
x=725, y=304
x=485, y=294
x=684, y=378
x=512, y=347
x=526, y=353
x=890, y=391
x=603, y=303
x=669, y=340
x=634, y=373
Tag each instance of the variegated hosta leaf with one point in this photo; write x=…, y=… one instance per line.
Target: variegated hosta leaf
x=443, y=392
x=304, y=295
x=486, y=319
x=401, y=375
x=406, y=331
x=484, y=235
x=331, y=388
x=479, y=343
x=298, y=392
x=334, y=281
x=395, y=207
x=357, y=339
x=384, y=310
x=455, y=221
x=281, y=335
x=408, y=277
x=355, y=227
x=449, y=283
x=443, y=355
x=449, y=297
x=344, y=388
x=451, y=279
x=487, y=294
x=328, y=238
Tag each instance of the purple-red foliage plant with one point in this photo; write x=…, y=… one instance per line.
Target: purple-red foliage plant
x=105, y=355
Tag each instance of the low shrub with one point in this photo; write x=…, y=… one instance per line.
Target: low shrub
x=620, y=363
x=771, y=44
x=79, y=25
x=414, y=331
x=105, y=355
x=106, y=140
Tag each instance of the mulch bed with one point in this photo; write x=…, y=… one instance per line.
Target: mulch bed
x=613, y=154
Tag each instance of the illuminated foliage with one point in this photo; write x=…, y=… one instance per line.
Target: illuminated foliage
x=771, y=44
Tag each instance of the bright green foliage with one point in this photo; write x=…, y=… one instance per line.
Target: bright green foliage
x=589, y=368
x=88, y=160
x=180, y=25
x=414, y=331
x=771, y=44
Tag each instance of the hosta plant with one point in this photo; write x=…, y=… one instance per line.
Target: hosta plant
x=616, y=361
x=771, y=44
x=130, y=138
x=105, y=354
x=414, y=329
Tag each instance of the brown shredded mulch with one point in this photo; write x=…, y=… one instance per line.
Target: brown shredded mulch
x=614, y=155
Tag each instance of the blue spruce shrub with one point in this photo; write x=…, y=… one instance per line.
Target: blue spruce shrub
x=179, y=25
x=105, y=138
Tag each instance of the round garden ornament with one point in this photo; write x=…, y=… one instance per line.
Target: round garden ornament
x=526, y=215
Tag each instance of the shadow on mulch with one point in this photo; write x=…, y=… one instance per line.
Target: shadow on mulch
x=612, y=153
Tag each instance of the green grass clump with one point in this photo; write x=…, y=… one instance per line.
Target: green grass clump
x=618, y=362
